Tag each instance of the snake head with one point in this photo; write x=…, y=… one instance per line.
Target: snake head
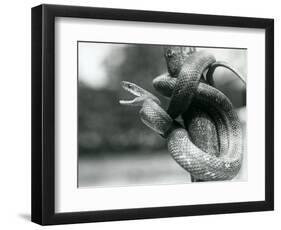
x=141, y=94
x=175, y=57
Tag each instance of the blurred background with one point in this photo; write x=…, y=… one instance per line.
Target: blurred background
x=115, y=147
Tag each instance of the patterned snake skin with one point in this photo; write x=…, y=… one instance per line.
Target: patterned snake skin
x=185, y=85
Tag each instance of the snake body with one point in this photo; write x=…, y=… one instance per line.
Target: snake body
x=185, y=86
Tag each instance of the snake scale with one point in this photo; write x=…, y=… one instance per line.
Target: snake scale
x=186, y=86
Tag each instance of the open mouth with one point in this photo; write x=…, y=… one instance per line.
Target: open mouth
x=140, y=93
x=131, y=88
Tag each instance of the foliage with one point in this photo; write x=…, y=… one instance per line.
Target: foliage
x=106, y=126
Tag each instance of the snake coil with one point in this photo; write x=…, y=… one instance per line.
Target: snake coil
x=185, y=85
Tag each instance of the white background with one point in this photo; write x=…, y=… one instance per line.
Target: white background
x=15, y=115
x=69, y=198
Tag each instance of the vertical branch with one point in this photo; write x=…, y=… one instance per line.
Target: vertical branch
x=198, y=123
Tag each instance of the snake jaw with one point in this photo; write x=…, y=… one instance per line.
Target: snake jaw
x=140, y=93
x=132, y=88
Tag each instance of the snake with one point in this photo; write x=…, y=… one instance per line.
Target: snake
x=186, y=85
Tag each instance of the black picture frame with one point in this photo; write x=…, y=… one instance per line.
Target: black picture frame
x=43, y=114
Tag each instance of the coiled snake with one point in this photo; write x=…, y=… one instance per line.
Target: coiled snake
x=185, y=85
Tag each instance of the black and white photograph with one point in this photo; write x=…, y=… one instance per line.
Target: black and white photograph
x=140, y=114
x=160, y=114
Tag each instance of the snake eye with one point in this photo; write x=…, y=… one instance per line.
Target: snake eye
x=170, y=53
